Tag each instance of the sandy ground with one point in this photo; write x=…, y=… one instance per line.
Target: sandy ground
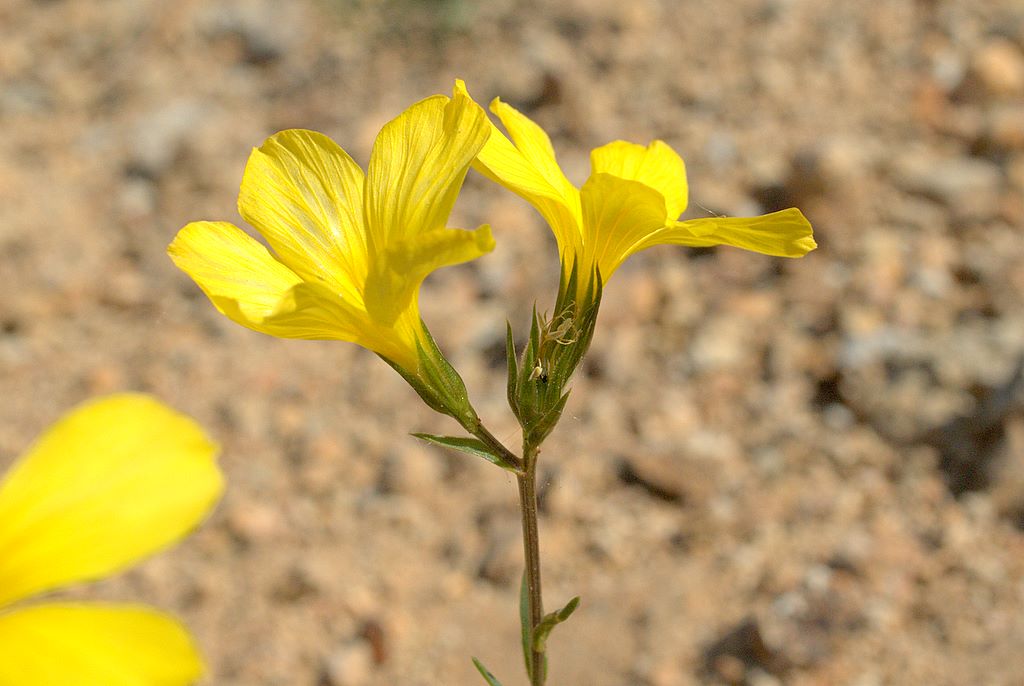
x=770, y=472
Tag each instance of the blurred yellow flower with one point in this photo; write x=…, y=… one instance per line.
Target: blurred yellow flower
x=113, y=481
x=631, y=201
x=350, y=251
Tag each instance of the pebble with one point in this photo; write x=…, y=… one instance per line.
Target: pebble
x=502, y=563
x=720, y=344
x=1015, y=172
x=252, y=522
x=999, y=67
x=1004, y=127
x=968, y=185
x=659, y=477
x=1008, y=473
x=160, y=134
x=413, y=468
x=350, y=665
x=267, y=30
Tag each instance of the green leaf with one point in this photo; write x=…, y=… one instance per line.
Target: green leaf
x=471, y=446
x=524, y=623
x=486, y=674
x=550, y=621
x=535, y=331
x=513, y=367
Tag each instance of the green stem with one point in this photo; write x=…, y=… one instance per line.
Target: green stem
x=531, y=552
x=481, y=432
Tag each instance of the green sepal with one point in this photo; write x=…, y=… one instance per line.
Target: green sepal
x=486, y=674
x=513, y=368
x=524, y=625
x=550, y=621
x=537, y=391
x=470, y=446
x=438, y=384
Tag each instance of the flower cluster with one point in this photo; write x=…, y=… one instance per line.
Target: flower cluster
x=350, y=250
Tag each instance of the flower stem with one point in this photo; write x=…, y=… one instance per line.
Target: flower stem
x=487, y=438
x=531, y=552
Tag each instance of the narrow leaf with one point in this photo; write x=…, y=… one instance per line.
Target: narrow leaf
x=486, y=674
x=524, y=623
x=550, y=621
x=470, y=446
x=569, y=608
x=513, y=367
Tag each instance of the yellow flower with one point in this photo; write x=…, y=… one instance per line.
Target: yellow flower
x=113, y=481
x=631, y=201
x=350, y=250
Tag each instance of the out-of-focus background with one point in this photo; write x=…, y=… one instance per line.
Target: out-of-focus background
x=770, y=471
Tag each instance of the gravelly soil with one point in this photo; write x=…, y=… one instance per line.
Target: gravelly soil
x=798, y=472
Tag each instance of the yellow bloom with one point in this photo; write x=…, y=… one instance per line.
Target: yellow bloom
x=350, y=250
x=631, y=201
x=113, y=481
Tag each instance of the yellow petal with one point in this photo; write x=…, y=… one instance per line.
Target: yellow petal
x=304, y=194
x=409, y=261
x=95, y=645
x=618, y=214
x=531, y=140
x=536, y=177
x=246, y=284
x=441, y=248
x=656, y=165
x=417, y=166
x=786, y=233
x=113, y=481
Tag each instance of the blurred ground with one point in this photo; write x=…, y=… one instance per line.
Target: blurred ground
x=796, y=472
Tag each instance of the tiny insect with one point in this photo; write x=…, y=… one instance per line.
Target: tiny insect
x=553, y=332
x=539, y=373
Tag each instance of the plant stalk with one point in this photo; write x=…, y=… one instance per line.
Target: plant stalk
x=488, y=439
x=531, y=552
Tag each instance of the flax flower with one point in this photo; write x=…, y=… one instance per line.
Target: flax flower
x=631, y=201
x=349, y=251
x=112, y=482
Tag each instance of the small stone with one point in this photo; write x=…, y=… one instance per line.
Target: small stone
x=968, y=185
x=25, y=98
x=665, y=673
x=999, y=67
x=844, y=159
x=105, y=379
x=295, y=585
x=759, y=677
x=1008, y=474
x=502, y=563
x=350, y=665
x=948, y=70
x=659, y=477
x=1004, y=127
x=720, y=344
x=252, y=522
x=266, y=31
x=161, y=134
x=137, y=198
x=125, y=288
x=413, y=469
x=1015, y=172
x=741, y=651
